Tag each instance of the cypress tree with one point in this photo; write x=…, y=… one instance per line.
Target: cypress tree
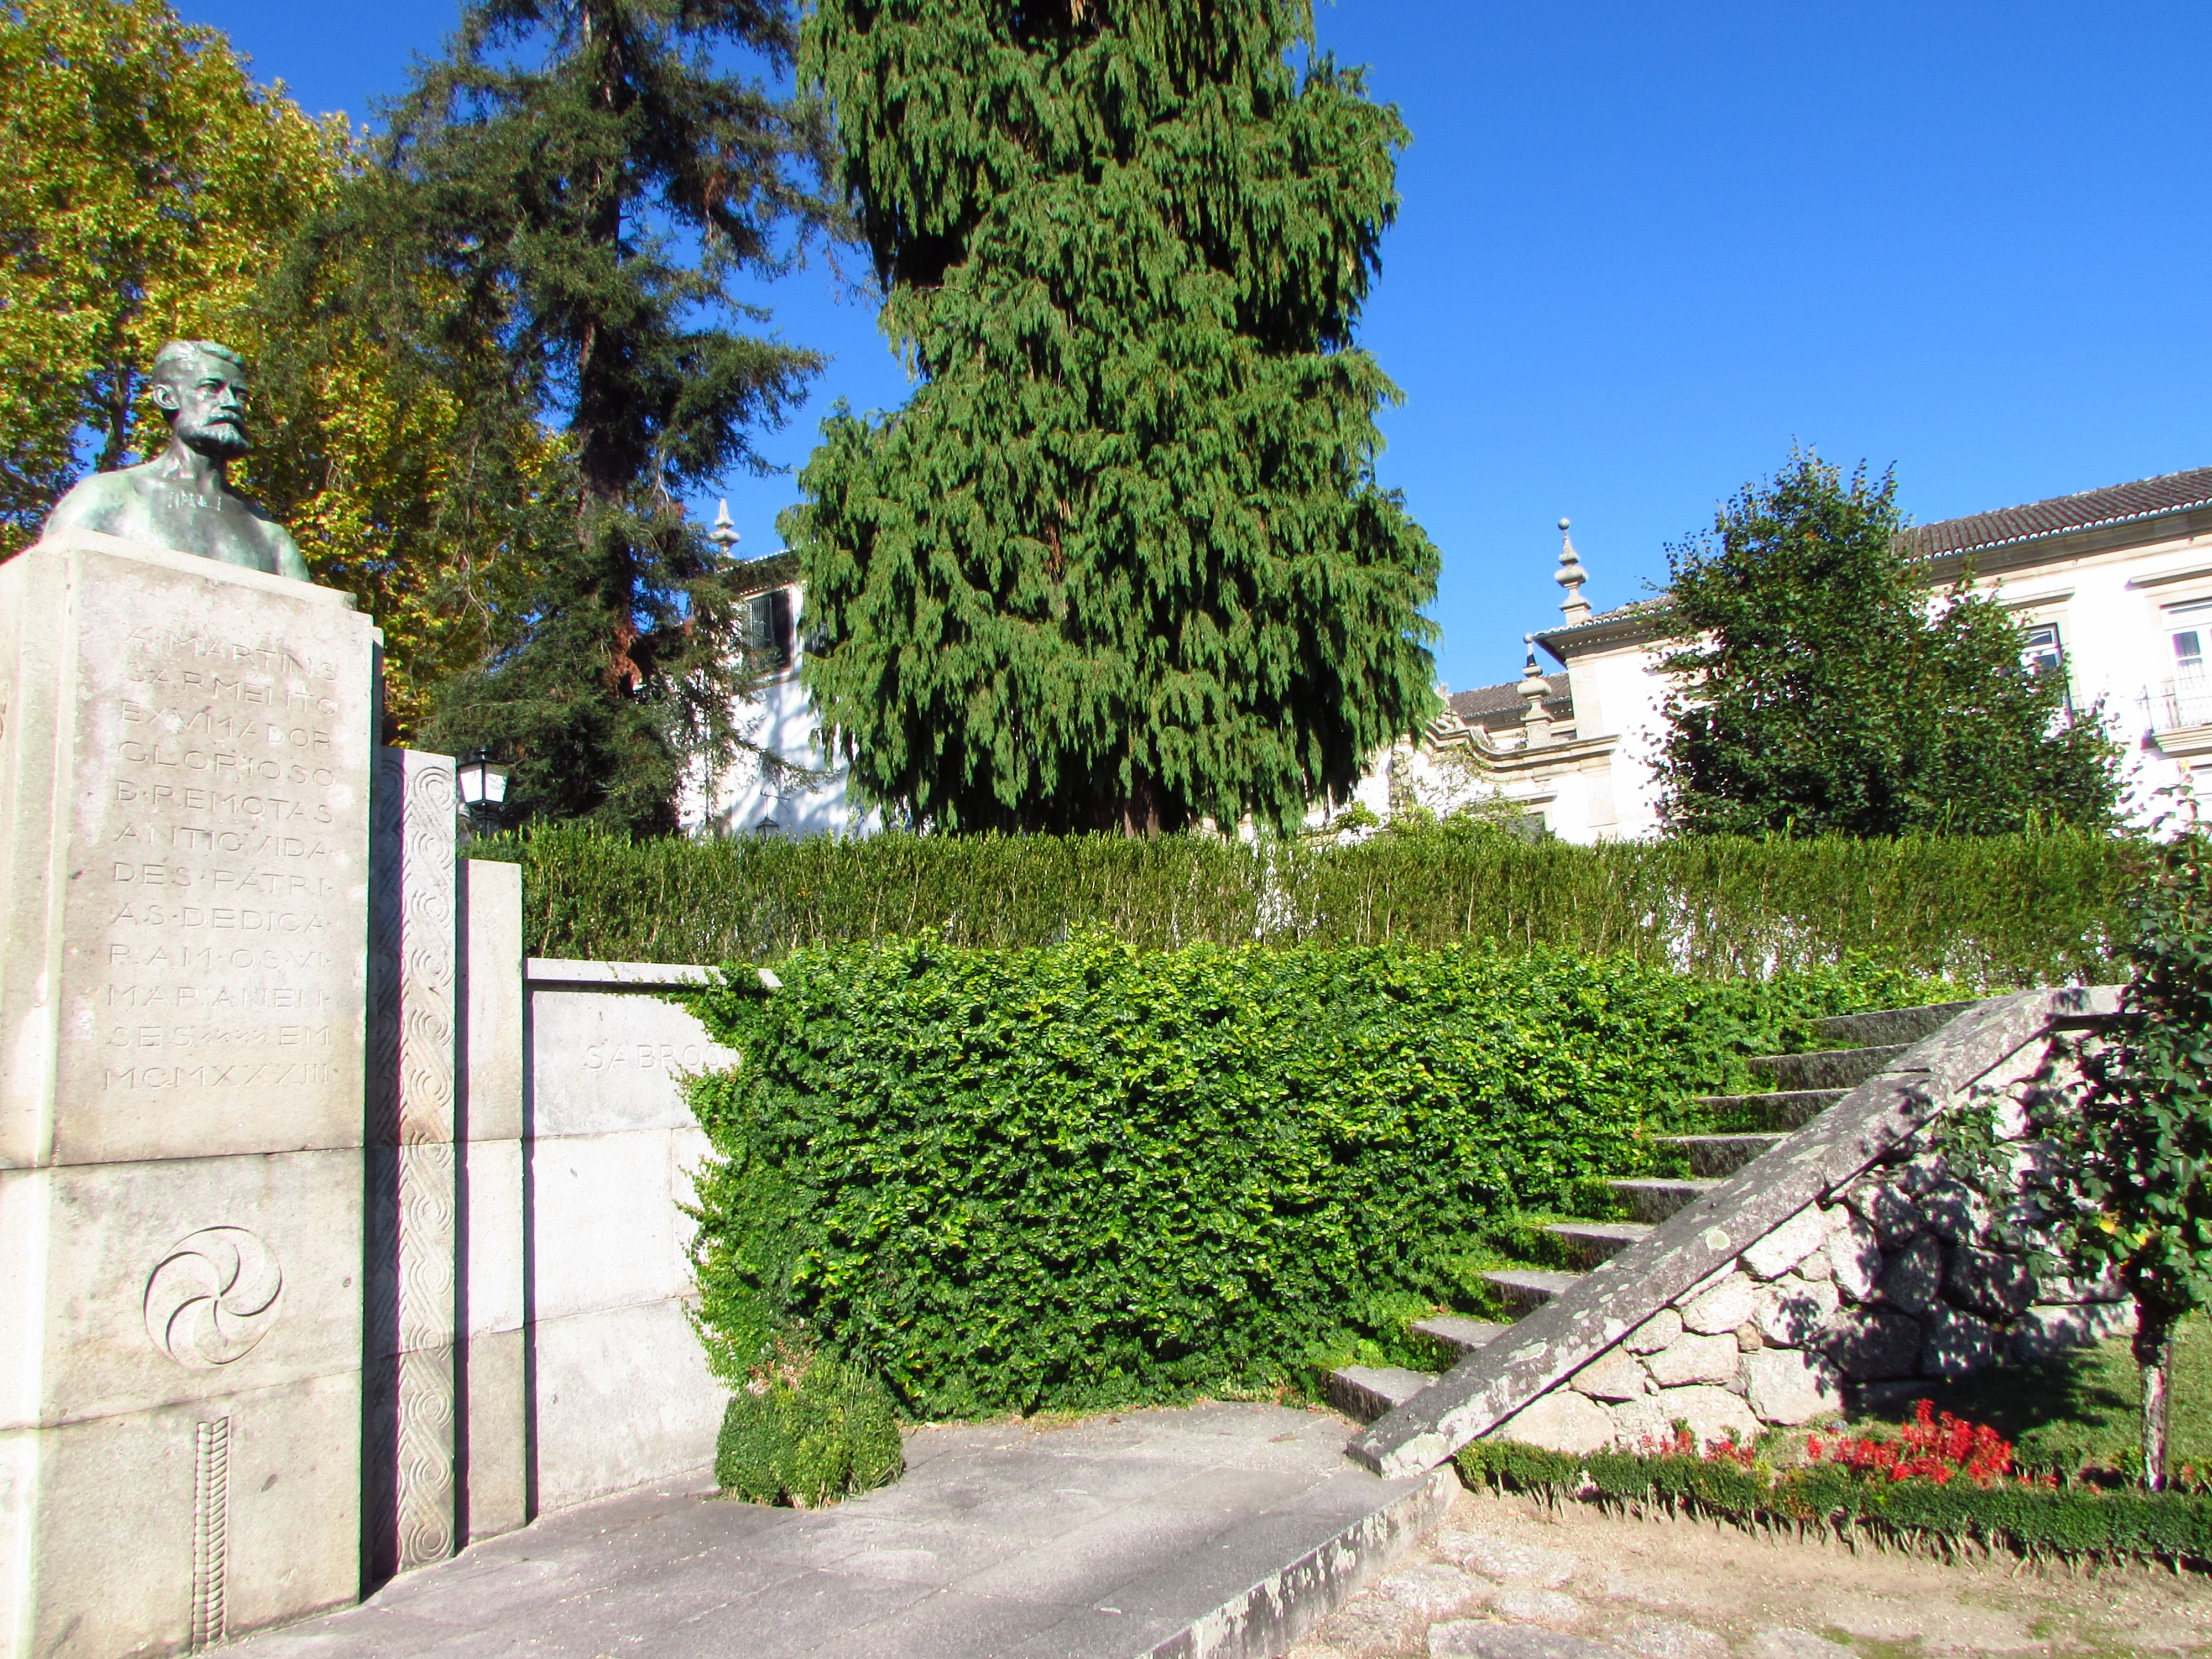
x=1122, y=560
x=596, y=174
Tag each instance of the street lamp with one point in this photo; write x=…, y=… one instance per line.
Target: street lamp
x=482, y=788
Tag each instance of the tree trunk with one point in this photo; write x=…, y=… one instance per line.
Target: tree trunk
x=122, y=386
x=2154, y=1349
x=1141, y=812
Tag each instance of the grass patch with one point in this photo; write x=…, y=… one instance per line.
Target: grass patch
x=2078, y=1416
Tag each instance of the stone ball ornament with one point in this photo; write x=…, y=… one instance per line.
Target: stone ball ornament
x=213, y=1296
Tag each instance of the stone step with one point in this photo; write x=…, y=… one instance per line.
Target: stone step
x=1526, y=1289
x=1790, y=1109
x=1592, y=1242
x=1458, y=1333
x=1653, y=1199
x=1889, y=1025
x=1363, y=1393
x=1715, y=1156
x=1831, y=1068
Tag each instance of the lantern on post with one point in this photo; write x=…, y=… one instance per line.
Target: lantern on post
x=481, y=785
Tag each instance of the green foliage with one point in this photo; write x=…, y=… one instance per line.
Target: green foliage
x=1085, y=1176
x=2141, y=1146
x=594, y=177
x=808, y=1441
x=145, y=183
x=2000, y=913
x=1122, y=559
x=2076, y=1416
x=2032, y=1520
x=1822, y=697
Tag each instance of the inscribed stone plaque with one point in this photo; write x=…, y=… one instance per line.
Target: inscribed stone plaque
x=213, y=919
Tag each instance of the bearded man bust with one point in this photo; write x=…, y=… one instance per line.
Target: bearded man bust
x=182, y=498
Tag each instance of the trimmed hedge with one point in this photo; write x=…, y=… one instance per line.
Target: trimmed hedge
x=1985, y=912
x=809, y=1442
x=2028, y=1519
x=1088, y=1175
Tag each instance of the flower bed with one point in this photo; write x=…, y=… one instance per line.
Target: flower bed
x=1942, y=1482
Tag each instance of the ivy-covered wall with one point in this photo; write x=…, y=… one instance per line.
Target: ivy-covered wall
x=1089, y=1174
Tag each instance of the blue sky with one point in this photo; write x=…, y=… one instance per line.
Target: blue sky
x=1644, y=249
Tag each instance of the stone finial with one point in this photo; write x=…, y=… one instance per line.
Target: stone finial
x=723, y=535
x=1535, y=724
x=1571, y=575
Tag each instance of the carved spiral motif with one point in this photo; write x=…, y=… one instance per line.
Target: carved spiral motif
x=213, y=1296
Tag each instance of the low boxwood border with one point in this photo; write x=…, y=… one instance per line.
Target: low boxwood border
x=2071, y=1523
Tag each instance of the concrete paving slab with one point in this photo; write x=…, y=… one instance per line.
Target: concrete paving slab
x=1167, y=1532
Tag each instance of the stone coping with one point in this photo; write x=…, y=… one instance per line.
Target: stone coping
x=1545, y=1346
x=614, y=975
x=193, y=564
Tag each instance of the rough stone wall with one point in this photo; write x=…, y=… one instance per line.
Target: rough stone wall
x=1898, y=1276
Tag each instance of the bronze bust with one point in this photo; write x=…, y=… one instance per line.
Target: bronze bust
x=182, y=498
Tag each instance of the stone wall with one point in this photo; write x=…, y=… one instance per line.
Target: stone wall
x=1901, y=1278
x=331, y=1238
x=621, y=1392
x=1849, y=1259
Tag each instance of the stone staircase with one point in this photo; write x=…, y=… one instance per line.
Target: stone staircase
x=1740, y=1129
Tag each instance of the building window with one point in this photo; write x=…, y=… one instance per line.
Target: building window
x=768, y=629
x=2189, y=693
x=2040, y=649
x=2187, y=629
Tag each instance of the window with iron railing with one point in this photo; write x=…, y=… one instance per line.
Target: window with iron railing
x=2186, y=700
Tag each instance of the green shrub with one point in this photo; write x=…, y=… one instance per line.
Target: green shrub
x=1995, y=911
x=2029, y=1519
x=1087, y=1175
x=833, y=1431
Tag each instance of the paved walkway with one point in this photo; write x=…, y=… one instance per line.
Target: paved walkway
x=1102, y=1539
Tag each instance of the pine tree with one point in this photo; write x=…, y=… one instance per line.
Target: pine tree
x=596, y=179
x=1824, y=688
x=1122, y=560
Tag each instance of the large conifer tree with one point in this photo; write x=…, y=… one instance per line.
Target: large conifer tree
x=1122, y=560
x=596, y=174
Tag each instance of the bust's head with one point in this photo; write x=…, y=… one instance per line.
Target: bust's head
x=200, y=389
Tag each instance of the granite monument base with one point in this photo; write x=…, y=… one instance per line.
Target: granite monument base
x=186, y=752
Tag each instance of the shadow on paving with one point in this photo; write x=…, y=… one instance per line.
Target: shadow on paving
x=1103, y=1538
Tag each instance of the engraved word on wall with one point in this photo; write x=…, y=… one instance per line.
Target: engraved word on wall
x=213, y=1296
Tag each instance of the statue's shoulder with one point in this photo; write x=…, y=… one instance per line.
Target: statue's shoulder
x=102, y=501
x=289, y=562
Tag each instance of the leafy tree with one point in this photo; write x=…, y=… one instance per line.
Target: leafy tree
x=2137, y=1158
x=2117, y=1178
x=1122, y=560
x=1824, y=690
x=395, y=441
x=593, y=179
x=145, y=184
x=149, y=191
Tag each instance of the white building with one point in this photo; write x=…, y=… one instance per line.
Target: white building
x=2114, y=587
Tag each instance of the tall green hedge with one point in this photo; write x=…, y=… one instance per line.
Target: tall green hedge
x=1088, y=1175
x=1984, y=913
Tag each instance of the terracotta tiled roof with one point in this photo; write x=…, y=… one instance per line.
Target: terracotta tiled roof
x=2146, y=498
x=1472, y=706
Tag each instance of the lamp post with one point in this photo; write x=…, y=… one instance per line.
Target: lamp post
x=482, y=787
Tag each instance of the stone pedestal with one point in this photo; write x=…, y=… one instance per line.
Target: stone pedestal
x=185, y=781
